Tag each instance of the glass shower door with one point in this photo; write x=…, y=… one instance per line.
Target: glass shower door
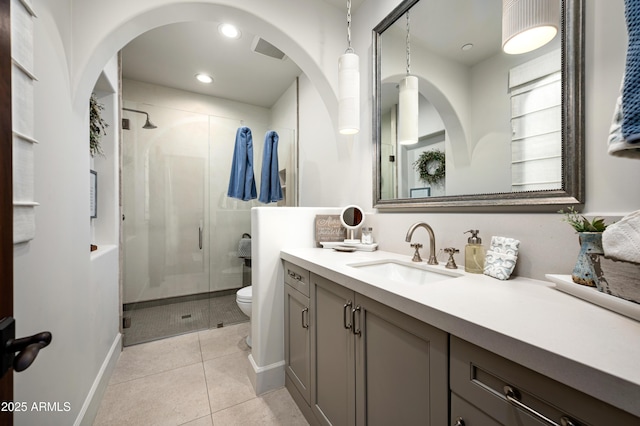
x=165, y=204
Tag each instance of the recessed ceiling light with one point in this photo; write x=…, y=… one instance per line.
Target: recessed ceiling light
x=204, y=78
x=229, y=30
x=466, y=47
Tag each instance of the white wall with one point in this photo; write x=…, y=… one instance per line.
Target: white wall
x=75, y=40
x=59, y=286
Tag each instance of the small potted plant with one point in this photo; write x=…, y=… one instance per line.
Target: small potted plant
x=97, y=126
x=590, y=238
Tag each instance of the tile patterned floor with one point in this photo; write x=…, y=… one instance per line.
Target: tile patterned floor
x=197, y=379
x=157, y=322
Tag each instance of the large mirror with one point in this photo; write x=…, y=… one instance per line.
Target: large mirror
x=495, y=130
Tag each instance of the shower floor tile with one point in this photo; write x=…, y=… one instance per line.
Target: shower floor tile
x=157, y=322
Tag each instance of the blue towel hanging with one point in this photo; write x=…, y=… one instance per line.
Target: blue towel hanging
x=270, y=189
x=624, y=133
x=242, y=184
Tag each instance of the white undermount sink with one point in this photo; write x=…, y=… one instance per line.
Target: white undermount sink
x=406, y=272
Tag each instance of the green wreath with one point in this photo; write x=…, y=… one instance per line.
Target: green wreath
x=426, y=159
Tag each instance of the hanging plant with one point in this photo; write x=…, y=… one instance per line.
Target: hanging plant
x=430, y=166
x=97, y=126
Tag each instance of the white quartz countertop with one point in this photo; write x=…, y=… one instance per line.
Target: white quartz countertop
x=528, y=321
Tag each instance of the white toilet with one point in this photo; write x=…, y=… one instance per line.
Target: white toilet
x=243, y=299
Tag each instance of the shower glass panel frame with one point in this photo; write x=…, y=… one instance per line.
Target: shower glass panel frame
x=180, y=230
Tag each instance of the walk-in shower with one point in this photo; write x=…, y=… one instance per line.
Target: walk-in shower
x=181, y=266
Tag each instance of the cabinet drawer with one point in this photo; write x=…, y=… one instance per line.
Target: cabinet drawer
x=465, y=414
x=297, y=277
x=480, y=377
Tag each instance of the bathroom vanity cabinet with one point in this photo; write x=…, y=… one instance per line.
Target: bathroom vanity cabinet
x=353, y=359
x=370, y=364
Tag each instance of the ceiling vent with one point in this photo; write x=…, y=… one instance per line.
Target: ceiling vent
x=263, y=47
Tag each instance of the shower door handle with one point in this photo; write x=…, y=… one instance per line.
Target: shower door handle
x=200, y=237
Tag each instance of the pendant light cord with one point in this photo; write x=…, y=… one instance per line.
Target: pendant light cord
x=349, y=49
x=408, y=46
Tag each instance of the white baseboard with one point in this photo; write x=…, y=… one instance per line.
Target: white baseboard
x=89, y=409
x=266, y=378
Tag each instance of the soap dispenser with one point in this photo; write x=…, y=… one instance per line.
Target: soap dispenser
x=474, y=253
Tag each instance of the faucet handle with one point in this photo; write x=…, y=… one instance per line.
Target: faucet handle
x=451, y=263
x=416, y=255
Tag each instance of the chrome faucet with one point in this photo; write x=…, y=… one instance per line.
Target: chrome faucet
x=432, y=243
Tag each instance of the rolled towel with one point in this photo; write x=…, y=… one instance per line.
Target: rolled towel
x=621, y=240
x=244, y=246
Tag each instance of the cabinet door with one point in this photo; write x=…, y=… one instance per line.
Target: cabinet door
x=401, y=368
x=297, y=340
x=332, y=353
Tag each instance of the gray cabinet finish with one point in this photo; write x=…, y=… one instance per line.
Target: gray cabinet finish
x=297, y=341
x=479, y=377
x=401, y=368
x=332, y=354
x=373, y=365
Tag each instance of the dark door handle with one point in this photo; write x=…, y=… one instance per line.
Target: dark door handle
x=27, y=348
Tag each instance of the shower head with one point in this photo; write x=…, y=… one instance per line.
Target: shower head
x=147, y=124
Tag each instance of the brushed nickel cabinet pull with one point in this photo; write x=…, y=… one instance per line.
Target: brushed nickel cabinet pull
x=513, y=396
x=346, y=309
x=459, y=422
x=355, y=330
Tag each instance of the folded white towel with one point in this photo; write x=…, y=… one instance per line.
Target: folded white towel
x=621, y=240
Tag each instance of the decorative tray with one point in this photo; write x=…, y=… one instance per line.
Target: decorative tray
x=624, y=307
x=358, y=246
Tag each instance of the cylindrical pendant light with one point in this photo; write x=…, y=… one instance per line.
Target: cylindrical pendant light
x=408, y=111
x=408, y=102
x=528, y=24
x=349, y=86
x=349, y=94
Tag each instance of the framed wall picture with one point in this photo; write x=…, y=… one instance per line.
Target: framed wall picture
x=420, y=192
x=93, y=194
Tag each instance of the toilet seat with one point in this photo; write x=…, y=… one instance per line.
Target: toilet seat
x=244, y=295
